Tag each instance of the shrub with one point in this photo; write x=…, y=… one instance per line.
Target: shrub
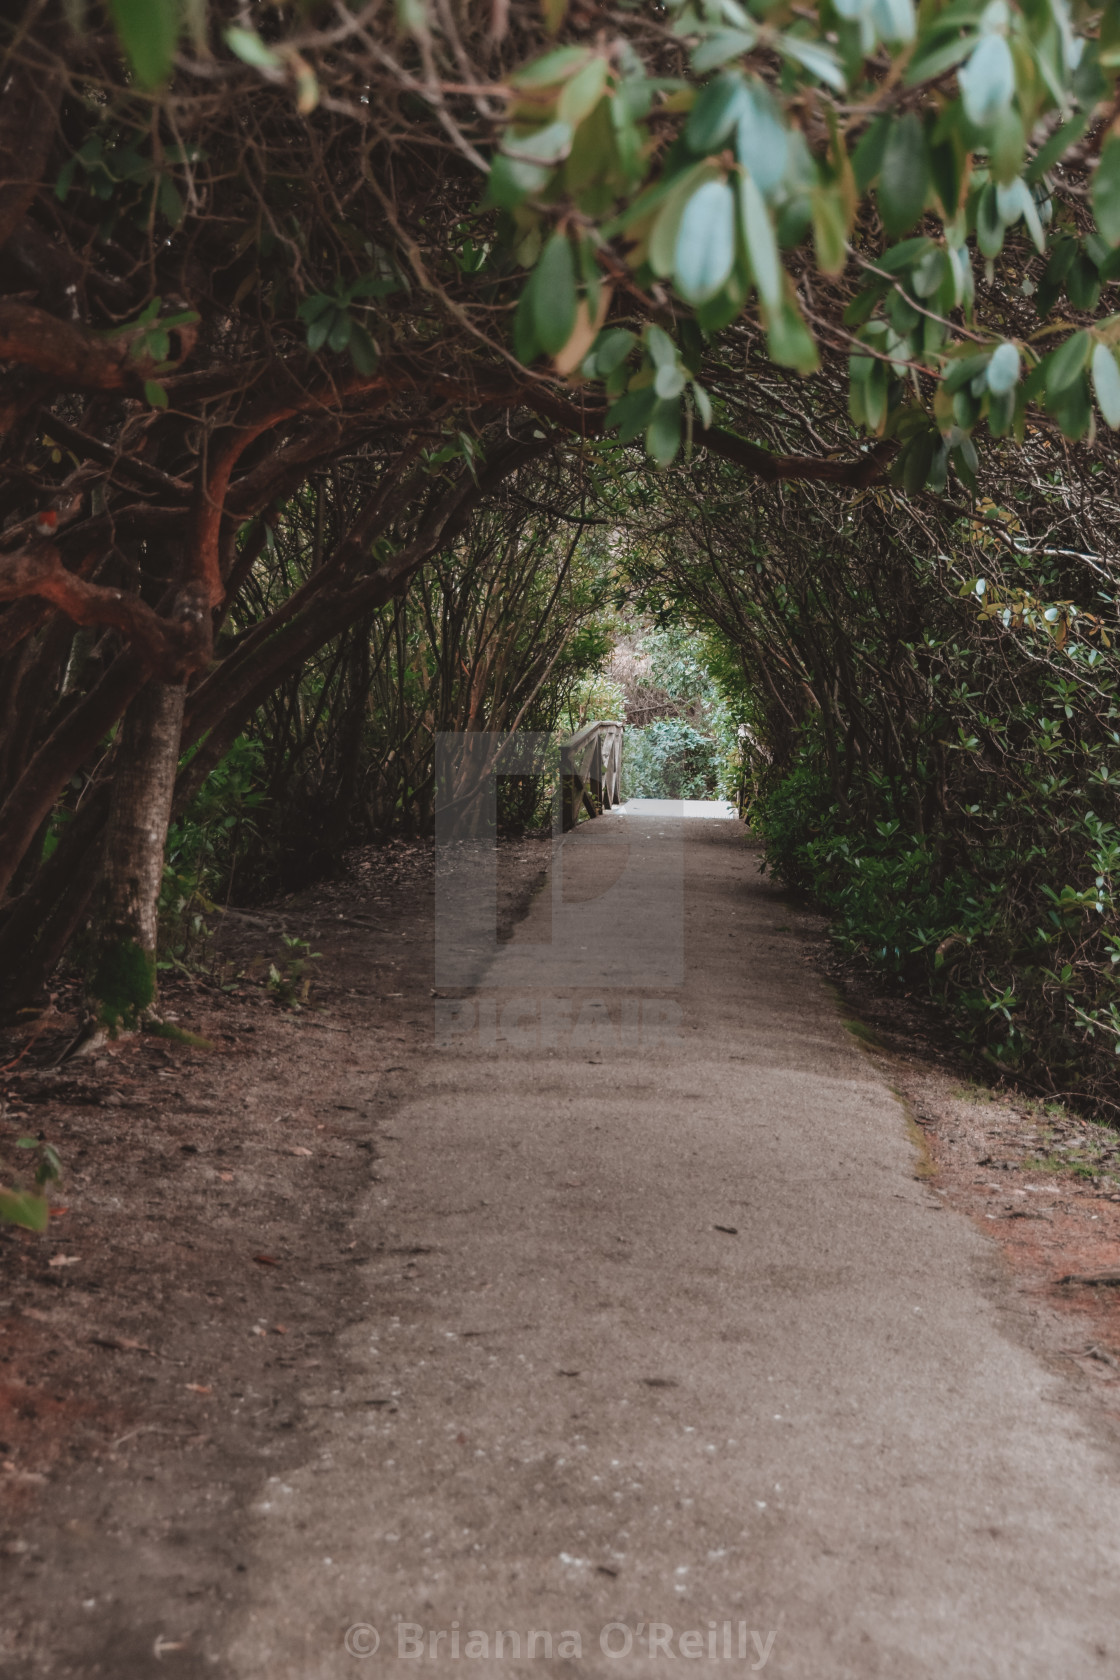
x=668, y=759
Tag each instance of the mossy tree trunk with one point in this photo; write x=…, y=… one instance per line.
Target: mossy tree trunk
x=122, y=974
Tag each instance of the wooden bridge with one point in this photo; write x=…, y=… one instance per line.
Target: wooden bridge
x=591, y=771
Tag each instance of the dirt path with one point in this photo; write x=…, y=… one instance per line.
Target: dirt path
x=173, y=1340
x=669, y=1336
x=624, y=1314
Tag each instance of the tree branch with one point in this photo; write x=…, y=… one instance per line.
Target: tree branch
x=170, y=645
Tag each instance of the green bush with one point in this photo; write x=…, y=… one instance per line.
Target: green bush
x=668, y=759
x=1029, y=975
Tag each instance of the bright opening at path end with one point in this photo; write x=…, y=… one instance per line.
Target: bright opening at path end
x=675, y=808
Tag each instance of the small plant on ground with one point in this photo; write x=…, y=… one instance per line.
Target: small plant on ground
x=288, y=979
x=29, y=1208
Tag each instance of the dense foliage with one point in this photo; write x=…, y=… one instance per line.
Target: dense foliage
x=669, y=759
x=934, y=731
x=499, y=632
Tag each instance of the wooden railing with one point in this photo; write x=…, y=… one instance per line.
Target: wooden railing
x=591, y=771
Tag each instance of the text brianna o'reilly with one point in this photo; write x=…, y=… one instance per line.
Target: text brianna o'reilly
x=718, y=1641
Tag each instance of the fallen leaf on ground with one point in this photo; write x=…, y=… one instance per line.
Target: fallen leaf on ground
x=199, y=1388
x=120, y=1344
x=266, y=1260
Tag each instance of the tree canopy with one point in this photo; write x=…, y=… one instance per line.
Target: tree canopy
x=301, y=303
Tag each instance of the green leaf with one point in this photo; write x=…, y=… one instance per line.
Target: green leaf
x=612, y=349
x=937, y=57
x=867, y=159
x=511, y=182
x=789, y=340
x=595, y=156
x=670, y=381
x=1072, y=410
x=948, y=163
x=1003, y=369
x=905, y=255
x=412, y=18
x=1083, y=284
x=989, y=223
x=1062, y=257
x=904, y=176
x=1015, y=200
x=1106, y=190
x=894, y=19
x=363, y=351
x=867, y=401
x=1106, y=384
x=862, y=307
x=703, y=404
x=373, y=286
x=716, y=112
x=170, y=201
x=23, y=1208
x=554, y=295
x=919, y=459
x=987, y=82
x=706, y=242
x=663, y=434
x=525, y=345
x=720, y=46
x=761, y=245
x=761, y=141
x=149, y=34
x=247, y=45
x=1067, y=362
x=662, y=350
x=630, y=414
x=960, y=370
x=65, y=179
x=830, y=233
x=1007, y=145
x=154, y=394
x=549, y=145
x=930, y=272
x=811, y=56
x=554, y=67
x=583, y=92
x=663, y=238
x=692, y=346
x=1067, y=135
x=321, y=325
